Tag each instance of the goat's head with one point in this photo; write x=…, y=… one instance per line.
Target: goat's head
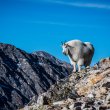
x=65, y=48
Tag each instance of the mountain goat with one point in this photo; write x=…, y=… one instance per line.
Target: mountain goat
x=79, y=53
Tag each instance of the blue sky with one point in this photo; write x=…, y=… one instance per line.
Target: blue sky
x=34, y=25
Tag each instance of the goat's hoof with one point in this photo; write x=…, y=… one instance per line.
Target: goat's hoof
x=79, y=71
x=87, y=67
x=74, y=71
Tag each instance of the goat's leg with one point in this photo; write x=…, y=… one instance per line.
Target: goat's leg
x=74, y=66
x=80, y=63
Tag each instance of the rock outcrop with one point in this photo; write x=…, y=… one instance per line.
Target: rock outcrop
x=88, y=90
x=24, y=75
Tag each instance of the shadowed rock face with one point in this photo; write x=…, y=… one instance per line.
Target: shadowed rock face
x=24, y=75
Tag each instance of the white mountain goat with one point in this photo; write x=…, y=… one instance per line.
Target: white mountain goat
x=79, y=53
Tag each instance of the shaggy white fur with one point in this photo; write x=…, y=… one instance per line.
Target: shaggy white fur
x=79, y=53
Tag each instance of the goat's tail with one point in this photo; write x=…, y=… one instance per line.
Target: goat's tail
x=90, y=46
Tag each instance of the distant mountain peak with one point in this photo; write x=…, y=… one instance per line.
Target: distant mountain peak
x=24, y=75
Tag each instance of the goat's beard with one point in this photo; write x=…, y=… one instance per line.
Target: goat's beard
x=65, y=53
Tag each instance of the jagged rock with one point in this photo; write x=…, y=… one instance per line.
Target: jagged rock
x=90, y=92
x=64, y=108
x=77, y=104
x=106, y=85
x=71, y=107
x=77, y=108
x=108, y=99
x=24, y=75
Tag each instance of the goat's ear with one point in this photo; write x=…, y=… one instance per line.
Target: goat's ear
x=68, y=45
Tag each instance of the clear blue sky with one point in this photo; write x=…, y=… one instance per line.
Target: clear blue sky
x=34, y=25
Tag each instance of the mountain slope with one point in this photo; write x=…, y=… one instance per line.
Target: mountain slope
x=87, y=90
x=24, y=75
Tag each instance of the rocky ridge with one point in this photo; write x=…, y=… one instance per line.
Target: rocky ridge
x=87, y=90
x=24, y=75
